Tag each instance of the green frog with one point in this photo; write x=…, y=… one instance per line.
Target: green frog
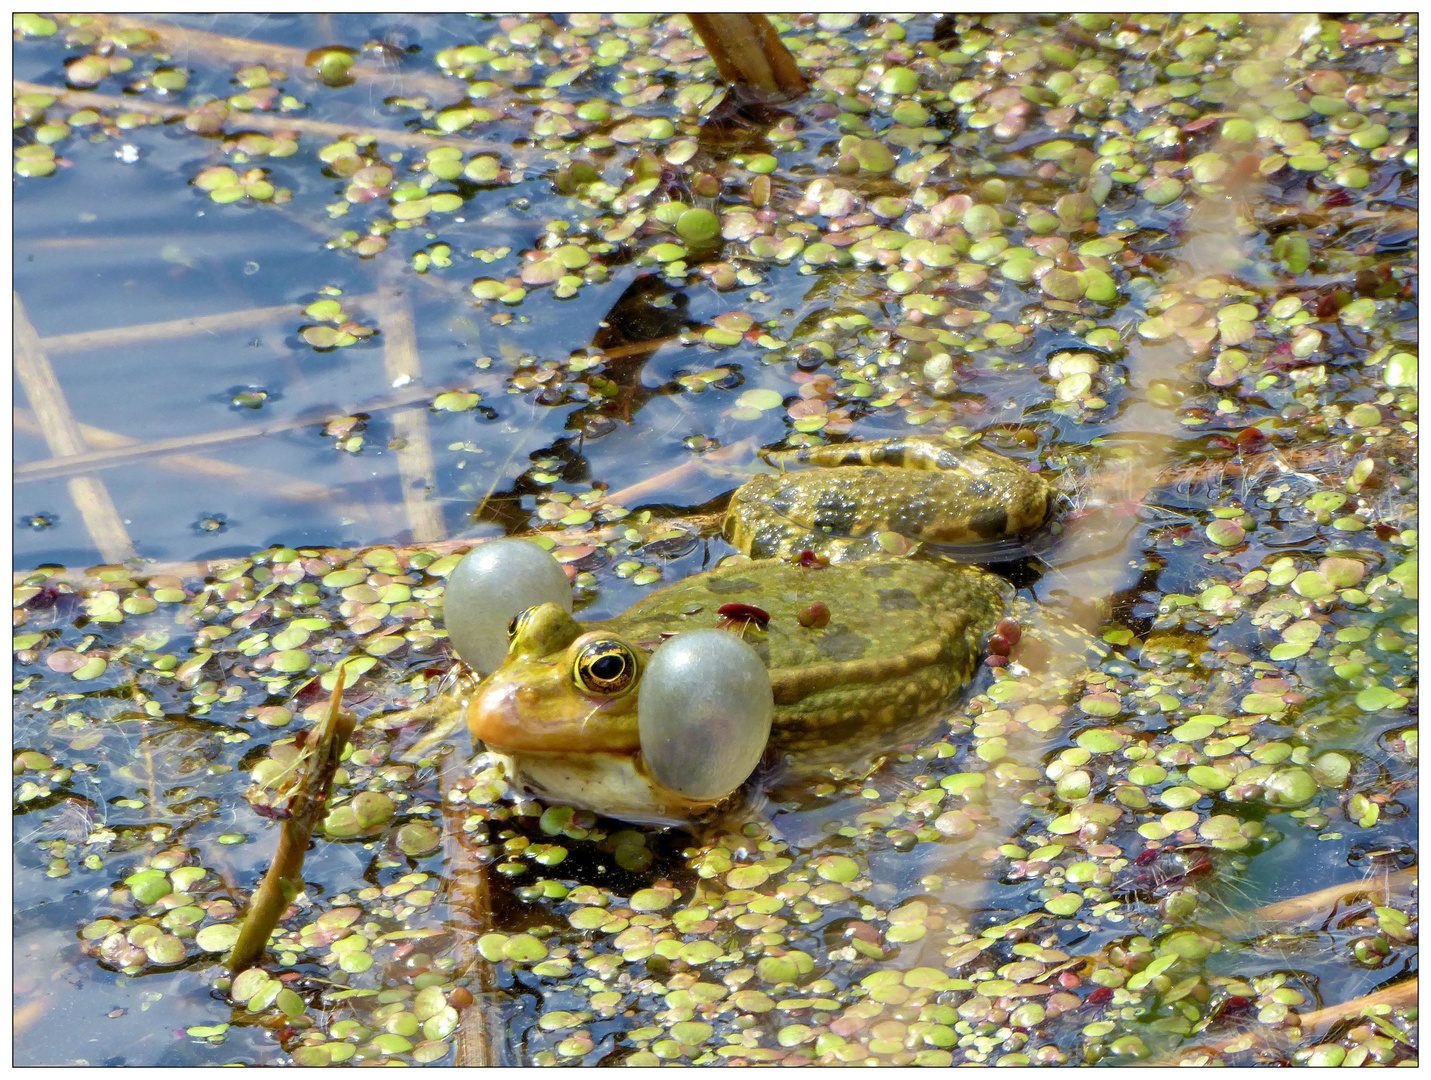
x=859, y=639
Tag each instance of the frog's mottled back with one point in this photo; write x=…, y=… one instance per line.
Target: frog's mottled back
x=923, y=488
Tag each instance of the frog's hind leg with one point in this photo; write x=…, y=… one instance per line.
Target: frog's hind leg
x=928, y=452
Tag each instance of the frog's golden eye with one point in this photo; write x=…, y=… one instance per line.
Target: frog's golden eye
x=605, y=667
x=518, y=620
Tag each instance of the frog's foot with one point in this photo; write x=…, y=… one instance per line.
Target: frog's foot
x=1054, y=644
x=429, y=723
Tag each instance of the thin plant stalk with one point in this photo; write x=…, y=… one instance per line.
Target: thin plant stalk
x=71, y=464
x=228, y=49
x=469, y=900
x=143, y=333
x=262, y=480
x=255, y=121
x=284, y=879
x=748, y=52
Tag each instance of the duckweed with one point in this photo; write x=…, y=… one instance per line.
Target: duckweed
x=943, y=271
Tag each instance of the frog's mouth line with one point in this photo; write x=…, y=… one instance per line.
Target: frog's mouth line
x=507, y=716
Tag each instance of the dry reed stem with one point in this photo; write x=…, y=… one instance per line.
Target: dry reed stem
x=181, y=328
x=256, y=121
x=62, y=434
x=180, y=40
x=1320, y=903
x=1312, y=1024
x=701, y=522
x=748, y=52
x=416, y=466
x=263, y=480
x=284, y=879
x=197, y=570
x=1400, y=996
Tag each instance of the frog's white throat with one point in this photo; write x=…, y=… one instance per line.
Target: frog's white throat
x=612, y=784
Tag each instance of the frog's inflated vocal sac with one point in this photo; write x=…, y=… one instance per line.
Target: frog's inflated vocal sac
x=902, y=634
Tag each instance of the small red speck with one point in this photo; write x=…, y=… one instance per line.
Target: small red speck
x=810, y=560
x=815, y=616
x=1251, y=439
x=1146, y=856
x=739, y=614
x=1101, y=996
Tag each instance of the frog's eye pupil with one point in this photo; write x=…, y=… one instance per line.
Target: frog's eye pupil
x=606, y=667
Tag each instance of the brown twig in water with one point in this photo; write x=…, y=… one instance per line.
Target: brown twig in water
x=748, y=52
x=1400, y=996
x=416, y=466
x=228, y=50
x=1291, y=459
x=580, y=534
x=62, y=434
x=257, y=121
x=284, y=879
x=1309, y=458
x=182, y=328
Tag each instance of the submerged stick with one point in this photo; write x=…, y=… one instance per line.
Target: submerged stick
x=417, y=468
x=62, y=434
x=71, y=464
x=266, y=481
x=469, y=898
x=228, y=49
x=1400, y=996
x=181, y=328
x=1319, y=903
x=284, y=879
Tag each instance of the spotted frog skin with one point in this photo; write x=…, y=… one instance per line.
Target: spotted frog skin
x=902, y=635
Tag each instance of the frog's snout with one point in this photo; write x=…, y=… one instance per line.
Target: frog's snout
x=526, y=707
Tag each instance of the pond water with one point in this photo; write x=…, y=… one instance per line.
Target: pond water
x=317, y=301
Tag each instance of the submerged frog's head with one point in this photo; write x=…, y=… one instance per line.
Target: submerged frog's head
x=646, y=731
